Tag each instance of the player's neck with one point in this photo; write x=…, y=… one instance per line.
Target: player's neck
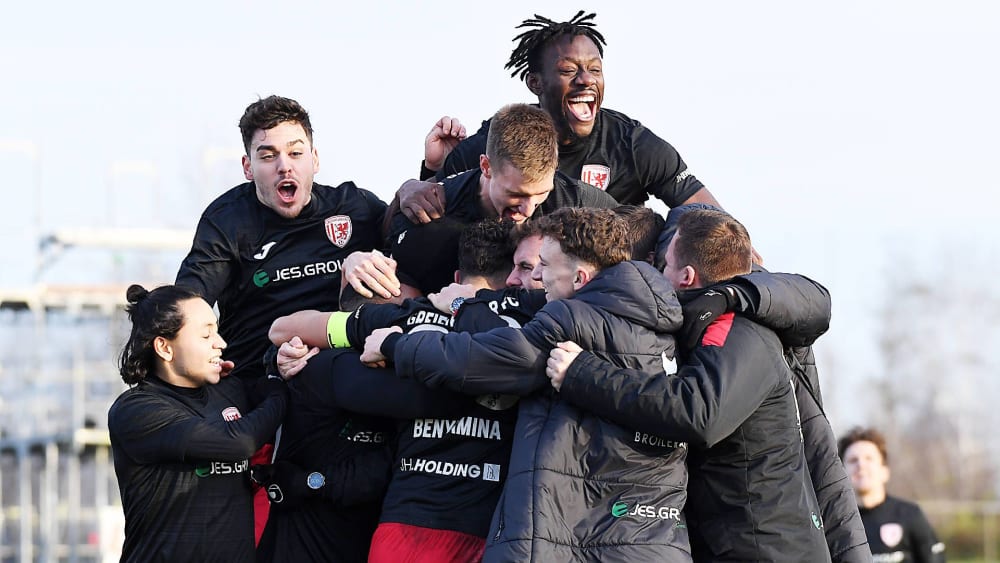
x=485, y=203
x=871, y=499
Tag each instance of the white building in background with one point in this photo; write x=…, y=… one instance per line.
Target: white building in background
x=59, y=499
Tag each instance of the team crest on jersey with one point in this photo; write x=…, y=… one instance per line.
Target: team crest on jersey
x=339, y=229
x=230, y=414
x=891, y=534
x=596, y=175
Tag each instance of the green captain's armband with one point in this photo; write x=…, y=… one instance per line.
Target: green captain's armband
x=336, y=330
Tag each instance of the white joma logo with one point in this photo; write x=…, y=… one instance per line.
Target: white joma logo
x=264, y=250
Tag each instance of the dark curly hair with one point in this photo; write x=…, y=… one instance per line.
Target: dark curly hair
x=861, y=434
x=596, y=236
x=153, y=313
x=527, y=56
x=484, y=249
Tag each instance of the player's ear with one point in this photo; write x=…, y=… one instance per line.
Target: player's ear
x=484, y=166
x=581, y=278
x=247, y=170
x=163, y=349
x=534, y=83
x=689, y=277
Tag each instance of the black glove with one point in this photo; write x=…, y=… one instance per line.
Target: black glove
x=288, y=486
x=270, y=360
x=701, y=307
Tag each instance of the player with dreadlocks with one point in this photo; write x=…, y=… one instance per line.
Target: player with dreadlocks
x=562, y=64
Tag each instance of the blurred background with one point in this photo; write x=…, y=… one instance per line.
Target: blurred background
x=856, y=141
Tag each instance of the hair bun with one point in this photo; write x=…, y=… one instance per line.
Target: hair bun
x=135, y=293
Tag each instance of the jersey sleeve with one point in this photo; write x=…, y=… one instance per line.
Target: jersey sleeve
x=370, y=316
x=208, y=267
x=380, y=392
x=926, y=547
x=504, y=360
x=593, y=197
x=152, y=429
x=661, y=170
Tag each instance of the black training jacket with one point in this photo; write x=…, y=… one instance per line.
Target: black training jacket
x=182, y=460
x=799, y=310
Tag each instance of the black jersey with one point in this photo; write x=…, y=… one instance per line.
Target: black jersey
x=898, y=531
x=259, y=266
x=463, y=204
x=322, y=431
x=619, y=156
x=181, y=458
x=451, y=459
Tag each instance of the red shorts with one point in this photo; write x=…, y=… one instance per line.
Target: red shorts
x=403, y=543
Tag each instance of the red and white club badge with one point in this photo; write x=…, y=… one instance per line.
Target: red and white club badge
x=339, y=229
x=596, y=175
x=230, y=414
x=891, y=534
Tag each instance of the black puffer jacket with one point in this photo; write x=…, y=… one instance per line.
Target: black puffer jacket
x=750, y=493
x=799, y=311
x=580, y=488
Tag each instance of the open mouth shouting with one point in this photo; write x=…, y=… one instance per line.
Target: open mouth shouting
x=286, y=191
x=582, y=107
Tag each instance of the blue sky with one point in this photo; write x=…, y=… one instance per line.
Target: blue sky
x=853, y=139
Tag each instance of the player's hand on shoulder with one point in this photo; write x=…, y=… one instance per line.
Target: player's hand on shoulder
x=372, y=356
x=421, y=202
x=370, y=273
x=443, y=299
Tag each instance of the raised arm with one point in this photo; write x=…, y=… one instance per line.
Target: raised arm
x=209, y=264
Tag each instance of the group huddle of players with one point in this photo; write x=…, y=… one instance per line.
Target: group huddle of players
x=511, y=361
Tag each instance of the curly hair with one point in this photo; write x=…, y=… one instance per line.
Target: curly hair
x=484, y=249
x=596, y=236
x=542, y=32
x=862, y=434
x=153, y=313
x=269, y=112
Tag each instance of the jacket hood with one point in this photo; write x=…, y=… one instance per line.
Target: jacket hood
x=627, y=290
